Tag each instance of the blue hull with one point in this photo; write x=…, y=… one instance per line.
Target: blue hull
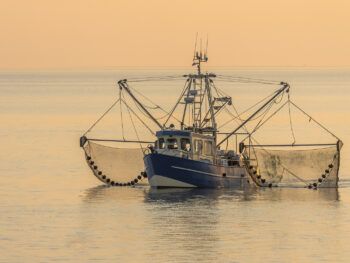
x=171, y=171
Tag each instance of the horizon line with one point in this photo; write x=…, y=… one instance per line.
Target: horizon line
x=169, y=67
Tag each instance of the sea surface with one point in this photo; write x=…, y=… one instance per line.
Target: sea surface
x=52, y=208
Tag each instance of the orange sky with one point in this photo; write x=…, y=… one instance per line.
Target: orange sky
x=48, y=34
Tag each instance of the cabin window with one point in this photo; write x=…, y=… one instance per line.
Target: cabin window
x=185, y=144
x=208, y=148
x=161, y=143
x=172, y=144
x=198, y=145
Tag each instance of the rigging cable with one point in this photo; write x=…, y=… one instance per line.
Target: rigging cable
x=290, y=120
x=267, y=119
x=240, y=114
x=262, y=117
x=178, y=101
x=267, y=110
x=121, y=113
x=248, y=80
x=137, y=135
x=157, y=107
x=220, y=93
x=248, y=109
x=155, y=78
x=319, y=124
x=144, y=124
x=149, y=107
x=102, y=116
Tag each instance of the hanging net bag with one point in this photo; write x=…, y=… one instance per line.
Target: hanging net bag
x=280, y=144
x=115, y=151
x=294, y=168
x=314, y=164
x=115, y=166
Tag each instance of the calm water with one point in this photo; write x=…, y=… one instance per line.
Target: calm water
x=53, y=209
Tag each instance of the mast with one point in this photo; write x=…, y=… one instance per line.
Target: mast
x=187, y=97
x=196, y=95
x=211, y=106
x=198, y=58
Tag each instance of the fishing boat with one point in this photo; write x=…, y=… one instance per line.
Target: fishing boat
x=193, y=153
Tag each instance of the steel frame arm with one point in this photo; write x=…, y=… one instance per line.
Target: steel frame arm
x=123, y=85
x=278, y=92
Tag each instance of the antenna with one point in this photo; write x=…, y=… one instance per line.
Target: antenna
x=200, y=55
x=195, y=46
x=206, y=50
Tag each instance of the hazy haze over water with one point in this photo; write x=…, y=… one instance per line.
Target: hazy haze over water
x=53, y=209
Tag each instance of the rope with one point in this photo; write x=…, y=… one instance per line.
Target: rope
x=177, y=103
x=267, y=110
x=156, y=105
x=144, y=124
x=290, y=120
x=319, y=124
x=218, y=112
x=239, y=114
x=121, y=113
x=155, y=78
x=149, y=107
x=273, y=114
x=262, y=117
x=248, y=109
x=104, y=114
x=248, y=80
x=137, y=135
x=220, y=93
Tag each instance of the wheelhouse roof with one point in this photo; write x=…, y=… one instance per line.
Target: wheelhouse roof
x=173, y=133
x=182, y=133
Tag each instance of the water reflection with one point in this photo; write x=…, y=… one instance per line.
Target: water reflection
x=298, y=194
x=186, y=220
x=175, y=195
x=208, y=225
x=103, y=193
x=194, y=195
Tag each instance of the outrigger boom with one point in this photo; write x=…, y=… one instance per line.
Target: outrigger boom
x=123, y=85
x=285, y=87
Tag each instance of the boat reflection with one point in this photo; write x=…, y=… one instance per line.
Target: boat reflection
x=103, y=193
x=174, y=195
